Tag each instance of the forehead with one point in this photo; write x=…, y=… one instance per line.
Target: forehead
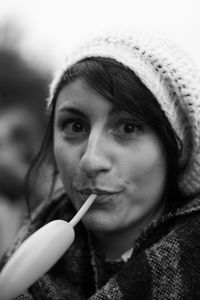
x=79, y=94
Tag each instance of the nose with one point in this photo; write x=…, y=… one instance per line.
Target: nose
x=95, y=157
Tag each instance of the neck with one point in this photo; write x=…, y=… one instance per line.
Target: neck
x=114, y=245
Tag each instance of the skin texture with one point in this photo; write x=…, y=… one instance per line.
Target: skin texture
x=98, y=149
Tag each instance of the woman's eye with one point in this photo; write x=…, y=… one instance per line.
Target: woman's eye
x=128, y=129
x=74, y=128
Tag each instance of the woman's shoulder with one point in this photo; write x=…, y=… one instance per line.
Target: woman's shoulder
x=174, y=228
x=57, y=206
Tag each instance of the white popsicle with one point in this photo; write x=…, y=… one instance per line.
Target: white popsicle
x=38, y=253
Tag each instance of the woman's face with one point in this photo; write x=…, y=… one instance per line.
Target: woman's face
x=108, y=152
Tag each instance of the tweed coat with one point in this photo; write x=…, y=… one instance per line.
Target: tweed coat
x=165, y=263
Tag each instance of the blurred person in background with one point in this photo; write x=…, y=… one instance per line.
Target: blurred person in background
x=19, y=138
x=22, y=93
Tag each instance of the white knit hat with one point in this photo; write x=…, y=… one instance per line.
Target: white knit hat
x=170, y=76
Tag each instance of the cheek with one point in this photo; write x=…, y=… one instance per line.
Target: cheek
x=66, y=161
x=146, y=168
x=154, y=180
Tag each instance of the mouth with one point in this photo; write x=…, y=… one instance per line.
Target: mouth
x=102, y=195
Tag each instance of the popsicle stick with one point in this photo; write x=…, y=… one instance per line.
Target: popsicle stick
x=82, y=211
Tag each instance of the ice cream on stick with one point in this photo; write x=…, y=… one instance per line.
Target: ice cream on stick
x=38, y=253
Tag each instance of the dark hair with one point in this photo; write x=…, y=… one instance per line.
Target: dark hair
x=124, y=89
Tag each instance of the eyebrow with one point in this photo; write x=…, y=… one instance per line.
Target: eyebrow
x=71, y=110
x=76, y=111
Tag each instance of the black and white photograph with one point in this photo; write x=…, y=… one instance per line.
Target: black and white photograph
x=99, y=150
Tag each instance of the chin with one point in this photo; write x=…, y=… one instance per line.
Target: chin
x=98, y=223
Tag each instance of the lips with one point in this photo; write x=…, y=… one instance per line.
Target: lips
x=101, y=194
x=95, y=191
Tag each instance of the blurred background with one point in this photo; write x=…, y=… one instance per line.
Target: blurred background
x=49, y=29
x=35, y=37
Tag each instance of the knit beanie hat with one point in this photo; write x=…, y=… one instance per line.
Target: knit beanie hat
x=171, y=77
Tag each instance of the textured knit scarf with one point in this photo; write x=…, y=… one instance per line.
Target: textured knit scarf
x=165, y=263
